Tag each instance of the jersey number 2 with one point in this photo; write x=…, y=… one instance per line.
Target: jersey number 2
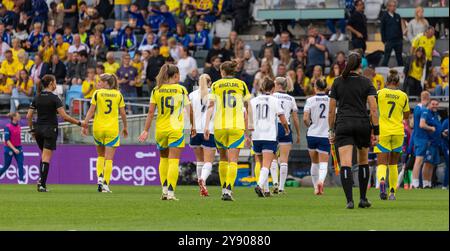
x=323, y=107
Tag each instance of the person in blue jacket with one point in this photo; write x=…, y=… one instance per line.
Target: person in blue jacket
x=134, y=13
x=35, y=37
x=129, y=41
x=201, y=37
x=444, y=146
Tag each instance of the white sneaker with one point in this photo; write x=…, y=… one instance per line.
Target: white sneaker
x=21, y=182
x=342, y=37
x=172, y=197
x=444, y=188
x=333, y=37
x=105, y=189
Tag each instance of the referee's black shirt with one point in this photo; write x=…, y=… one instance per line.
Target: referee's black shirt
x=46, y=105
x=351, y=96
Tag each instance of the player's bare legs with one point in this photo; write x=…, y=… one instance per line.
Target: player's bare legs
x=266, y=158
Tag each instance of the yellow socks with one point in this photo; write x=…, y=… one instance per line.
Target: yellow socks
x=108, y=171
x=172, y=174
x=163, y=169
x=231, y=175
x=381, y=172
x=393, y=177
x=100, y=166
x=223, y=169
x=257, y=170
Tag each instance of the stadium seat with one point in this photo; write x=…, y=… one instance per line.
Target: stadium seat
x=200, y=56
x=373, y=8
x=73, y=92
x=384, y=71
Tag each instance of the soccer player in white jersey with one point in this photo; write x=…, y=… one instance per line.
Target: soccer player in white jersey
x=266, y=109
x=290, y=109
x=204, y=150
x=315, y=118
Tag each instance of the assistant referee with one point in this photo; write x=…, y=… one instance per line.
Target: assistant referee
x=352, y=126
x=45, y=129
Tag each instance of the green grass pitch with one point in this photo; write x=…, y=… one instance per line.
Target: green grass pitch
x=139, y=208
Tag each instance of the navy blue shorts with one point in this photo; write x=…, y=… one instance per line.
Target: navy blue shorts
x=260, y=146
x=321, y=145
x=199, y=140
x=282, y=138
x=432, y=155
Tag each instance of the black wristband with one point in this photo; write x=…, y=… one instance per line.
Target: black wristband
x=376, y=130
x=79, y=123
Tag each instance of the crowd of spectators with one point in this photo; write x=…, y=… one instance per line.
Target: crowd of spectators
x=78, y=40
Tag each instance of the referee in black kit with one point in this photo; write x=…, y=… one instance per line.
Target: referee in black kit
x=45, y=130
x=352, y=126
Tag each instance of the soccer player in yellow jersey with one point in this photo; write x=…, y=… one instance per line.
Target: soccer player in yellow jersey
x=107, y=104
x=170, y=98
x=393, y=108
x=229, y=97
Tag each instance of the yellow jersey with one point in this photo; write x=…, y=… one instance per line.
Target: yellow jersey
x=138, y=65
x=15, y=53
x=391, y=106
x=61, y=51
x=174, y=6
x=111, y=68
x=28, y=66
x=444, y=66
x=329, y=80
x=415, y=71
x=85, y=87
x=107, y=102
x=170, y=100
x=378, y=82
x=11, y=69
x=427, y=44
x=6, y=88
x=26, y=85
x=164, y=51
x=46, y=53
x=229, y=95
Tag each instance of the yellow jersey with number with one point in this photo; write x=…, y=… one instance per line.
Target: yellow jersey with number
x=107, y=102
x=170, y=100
x=229, y=95
x=391, y=106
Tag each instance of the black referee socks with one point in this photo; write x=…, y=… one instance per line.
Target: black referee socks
x=363, y=176
x=44, y=173
x=347, y=182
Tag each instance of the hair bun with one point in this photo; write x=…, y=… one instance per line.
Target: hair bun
x=393, y=72
x=321, y=85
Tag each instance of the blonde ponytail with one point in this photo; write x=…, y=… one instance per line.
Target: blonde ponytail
x=165, y=73
x=203, y=85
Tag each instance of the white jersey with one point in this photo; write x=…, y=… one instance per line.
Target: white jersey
x=265, y=112
x=288, y=104
x=318, y=107
x=200, y=107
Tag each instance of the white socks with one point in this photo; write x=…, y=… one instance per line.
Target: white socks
x=165, y=190
x=415, y=183
x=206, y=171
x=323, y=169
x=315, y=174
x=263, y=177
x=199, y=169
x=274, y=172
x=283, y=175
x=426, y=183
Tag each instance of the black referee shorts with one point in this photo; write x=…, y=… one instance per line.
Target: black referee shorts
x=353, y=131
x=46, y=136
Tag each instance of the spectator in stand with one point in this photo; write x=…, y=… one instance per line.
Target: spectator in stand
x=88, y=85
x=56, y=15
x=433, y=81
x=302, y=85
x=174, y=49
x=191, y=80
x=269, y=58
x=217, y=50
x=174, y=6
x=84, y=36
x=190, y=19
x=155, y=62
x=269, y=43
x=51, y=31
x=120, y=9
x=144, y=60
x=136, y=15
x=299, y=60
x=99, y=50
x=392, y=33
x=47, y=48
x=281, y=70
x=111, y=66
x=377, y=79
x=68, y=36
x=317, y=74
x=6, y=37
x=25, y=60
x=264, y=72
x=6, y=86
x=35, y=38
x=71, y=14
x=357, y=25
x=164, y=30
x=58, y=69
x=251, y=64
x=129, y=41
x=418, y=25
x=315, y=50
x=71, y=64
x=214, y=69
x=286, y=43
x=167, y=16
x=84, y=62
x=16, y=48
x=83, y=16
x=241, y=13
x=200, y=37
x=10, y=67
x=285, y=58
x=239, y=49
x=232, y=40
x=186, y=64
x=39, y=11
x=443, y=90
x=181, y=36
x=77, y=46
x=61, y=47
x=413, y=71
x=137, y=63
x=164, y=46
x=222, y=27
x=341, y=60
x=335, y=72
x=115, y=35
x=8, y=17
x=3, y=48
x=39, y=69
x=127, y=75
x=22, y=93
x=148, y=42
x=427, y=41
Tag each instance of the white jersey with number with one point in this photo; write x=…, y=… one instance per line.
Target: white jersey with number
x=200, y=107
x=318, y=106
x=287, y=103
x=265, y=112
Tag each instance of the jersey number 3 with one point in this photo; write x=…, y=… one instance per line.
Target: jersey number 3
x=109, y=105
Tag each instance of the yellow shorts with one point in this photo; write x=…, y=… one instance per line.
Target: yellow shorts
x=391, y=143
x=170, y=139
x=106, y=138
x=229, y=138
